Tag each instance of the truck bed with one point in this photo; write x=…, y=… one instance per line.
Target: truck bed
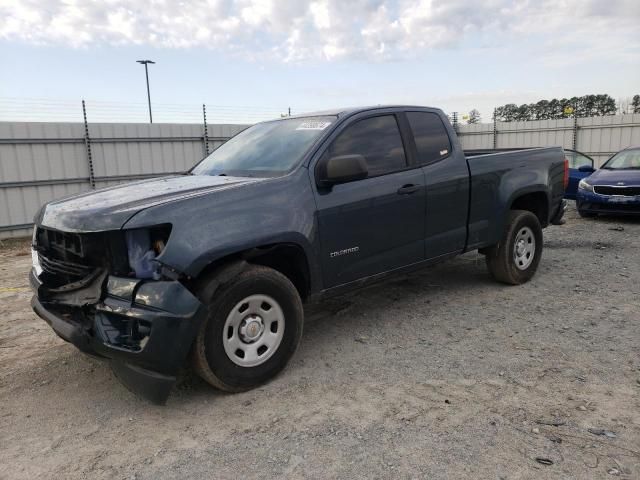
x=499, y=176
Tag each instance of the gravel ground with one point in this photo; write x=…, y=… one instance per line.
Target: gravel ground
x=438, y=374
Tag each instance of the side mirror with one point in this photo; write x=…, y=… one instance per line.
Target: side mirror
x=341, y=169
x=586, y=169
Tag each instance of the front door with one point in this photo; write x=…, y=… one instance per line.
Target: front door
x=376, y=224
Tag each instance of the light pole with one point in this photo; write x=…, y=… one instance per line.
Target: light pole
x=146, y=72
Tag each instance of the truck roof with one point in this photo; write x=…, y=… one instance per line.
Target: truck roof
x=340, y=112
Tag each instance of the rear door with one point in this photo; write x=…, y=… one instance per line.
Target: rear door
x=376, y=224
x=446, y=182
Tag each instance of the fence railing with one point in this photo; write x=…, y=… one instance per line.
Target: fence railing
x=102, y=111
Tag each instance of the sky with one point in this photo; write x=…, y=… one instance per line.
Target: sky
x=256, y=58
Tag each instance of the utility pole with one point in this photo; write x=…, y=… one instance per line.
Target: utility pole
x=146, y=72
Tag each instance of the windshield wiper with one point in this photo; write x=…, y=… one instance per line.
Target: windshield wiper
x=239, y=175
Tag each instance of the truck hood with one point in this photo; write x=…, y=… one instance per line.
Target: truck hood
x=615, y=177
x=110, y=208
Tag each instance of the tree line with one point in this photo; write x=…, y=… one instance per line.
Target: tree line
x=585, y=106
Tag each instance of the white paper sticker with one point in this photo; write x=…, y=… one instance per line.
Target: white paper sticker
x=313, y=125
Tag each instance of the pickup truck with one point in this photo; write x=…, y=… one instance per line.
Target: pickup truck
x=214, y=265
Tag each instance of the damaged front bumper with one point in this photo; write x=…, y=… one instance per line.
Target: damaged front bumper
x=144, y=328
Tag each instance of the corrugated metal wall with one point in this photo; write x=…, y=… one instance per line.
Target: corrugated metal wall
x=598, y=137
x=43, y=161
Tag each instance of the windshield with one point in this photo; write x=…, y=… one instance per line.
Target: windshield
x=266, y=149
x=625, y=160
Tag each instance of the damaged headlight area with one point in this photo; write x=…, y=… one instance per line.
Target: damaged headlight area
x=68, y=260
x=83, y=270
x=144, y=246
x=107, y=293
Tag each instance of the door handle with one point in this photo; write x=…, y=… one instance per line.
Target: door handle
x=408, y=189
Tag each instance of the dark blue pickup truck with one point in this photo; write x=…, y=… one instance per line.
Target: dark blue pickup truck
x=214, y=265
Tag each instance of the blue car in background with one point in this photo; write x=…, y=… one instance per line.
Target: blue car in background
x=614, y=188
x=580, y=166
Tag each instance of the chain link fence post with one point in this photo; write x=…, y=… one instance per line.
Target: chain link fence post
x=495, y=129
x=205, y=137
x=574, y=141
x=87, y=144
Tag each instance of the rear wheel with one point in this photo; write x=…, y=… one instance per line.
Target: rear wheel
x=253, y=328
x=515, y=259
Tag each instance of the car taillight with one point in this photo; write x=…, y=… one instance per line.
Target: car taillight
x=566, y=173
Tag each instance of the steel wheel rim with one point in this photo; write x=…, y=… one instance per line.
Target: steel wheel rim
x=524, y=248
x=253, y=330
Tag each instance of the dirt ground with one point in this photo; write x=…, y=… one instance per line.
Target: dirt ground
x=438, y=374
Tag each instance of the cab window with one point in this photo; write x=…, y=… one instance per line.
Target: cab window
x=377, y=139
x=430, y=135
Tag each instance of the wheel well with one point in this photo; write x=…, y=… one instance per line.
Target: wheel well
x=535, y=203
x=288, y=259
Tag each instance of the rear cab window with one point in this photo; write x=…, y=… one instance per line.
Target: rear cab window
x=377, y=139
x=430, y=135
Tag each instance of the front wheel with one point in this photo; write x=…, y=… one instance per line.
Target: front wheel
x=253, y=328
x=515, y=259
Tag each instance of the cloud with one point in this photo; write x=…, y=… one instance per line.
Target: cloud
x=298, y=31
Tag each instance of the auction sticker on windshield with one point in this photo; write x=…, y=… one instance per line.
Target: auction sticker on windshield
x=313, y=125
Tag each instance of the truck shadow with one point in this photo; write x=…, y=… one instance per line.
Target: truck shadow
x=358, y=313
x=460, y=273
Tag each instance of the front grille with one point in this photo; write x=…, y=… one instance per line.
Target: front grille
x=66, y=258
x=61, y=267
x=76, y=258
x=65, y=242
x=612, y=190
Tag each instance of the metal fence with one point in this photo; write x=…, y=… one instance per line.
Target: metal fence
x=102, y=111
x=41, y=161
x=598, y=137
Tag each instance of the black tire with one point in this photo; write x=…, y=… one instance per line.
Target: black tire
x=500, y=258
x=558, y=218
x=209, y=357
x=585, y=214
